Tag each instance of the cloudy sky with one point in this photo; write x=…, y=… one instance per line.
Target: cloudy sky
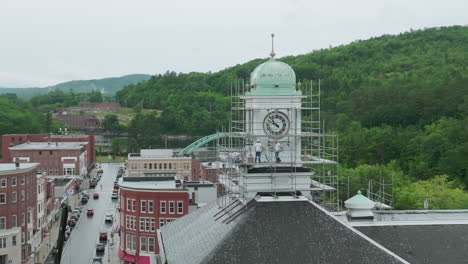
x=44, y=42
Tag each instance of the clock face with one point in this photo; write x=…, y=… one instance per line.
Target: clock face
x=276, y=124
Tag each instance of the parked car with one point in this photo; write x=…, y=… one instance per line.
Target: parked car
x=71, y=222
x=96, y=196
x=114, y=196
x=100, y=171
x=116, y=186
x=103, y=237
x=76, y=212
x=97, y=260
x=100, y=247
x=90, y=212
x=74, y=217
x=109, y=218
x=78, y=208
x=84, y=200
x=92, y=185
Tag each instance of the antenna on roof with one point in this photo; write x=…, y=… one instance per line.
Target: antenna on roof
x=272, y=54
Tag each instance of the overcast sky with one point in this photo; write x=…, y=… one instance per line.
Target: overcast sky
x=44, y=42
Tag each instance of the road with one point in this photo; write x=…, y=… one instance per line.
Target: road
x=80, y=247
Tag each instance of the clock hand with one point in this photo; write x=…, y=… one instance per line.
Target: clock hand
x=274, y=123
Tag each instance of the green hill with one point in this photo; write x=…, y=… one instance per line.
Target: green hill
x=398, y=102
x=108, y=86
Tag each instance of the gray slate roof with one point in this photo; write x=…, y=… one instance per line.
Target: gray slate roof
x=268, y=232
x=428, y=244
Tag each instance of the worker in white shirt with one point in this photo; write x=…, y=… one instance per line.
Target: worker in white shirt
x=277, y=151
x=258, y=150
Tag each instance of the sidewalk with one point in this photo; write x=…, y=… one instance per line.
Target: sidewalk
x=49, y=242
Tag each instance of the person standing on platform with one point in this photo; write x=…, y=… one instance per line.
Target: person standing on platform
x=277, y=151
x=258, y=151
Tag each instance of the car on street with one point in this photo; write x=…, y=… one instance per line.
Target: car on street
x=114, y=196
x=84, y=200
x=96, y=196
x=74, y=217
x=116, y=186
x=97, y=260
x=90, y=212
x=100, y=171
x=103, y=237
x=100, y=248
x=109, y=218
x=76, y=212
x=71, y=222
x=92, y=185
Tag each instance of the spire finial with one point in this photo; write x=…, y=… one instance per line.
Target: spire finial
x=272, y=54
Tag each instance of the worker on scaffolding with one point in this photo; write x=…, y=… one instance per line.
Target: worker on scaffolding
x=277, y=151
x=258, y=150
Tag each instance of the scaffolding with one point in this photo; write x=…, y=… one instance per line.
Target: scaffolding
x=308, y=158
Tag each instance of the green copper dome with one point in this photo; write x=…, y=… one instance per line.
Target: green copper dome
x=273, y=78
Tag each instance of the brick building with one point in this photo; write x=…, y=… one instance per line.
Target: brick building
x=101, y=106
x=55, y=158
x=159, y=162
x=18, y=216
x=80, y=122
x=12, y=140
x=146, y=204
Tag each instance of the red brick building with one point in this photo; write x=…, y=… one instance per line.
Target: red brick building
x=101, y=106
x=80, y=122
x=55, y=158
x=12, y=140
x=146, y=204
x=18, y=203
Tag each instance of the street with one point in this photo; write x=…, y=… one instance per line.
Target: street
x=81, y=246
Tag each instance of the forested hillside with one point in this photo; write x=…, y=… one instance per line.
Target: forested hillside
x=107, y=86
x=398, y=102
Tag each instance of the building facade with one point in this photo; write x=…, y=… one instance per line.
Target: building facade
x=80, y=122
x=12, y=140
x=18, y=215
x=55, y=158
x=146, y=204
x=159, y=162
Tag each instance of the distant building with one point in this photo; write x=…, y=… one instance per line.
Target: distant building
x=146, y=204
x=159, y=162
x=18, y=213
x=87, y=123
x=101, y=106
x=55, y=158
x=11, y=140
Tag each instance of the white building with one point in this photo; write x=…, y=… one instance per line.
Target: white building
x=158, y=162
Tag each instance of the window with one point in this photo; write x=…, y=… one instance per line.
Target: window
x=151, y=244
x=153, y=225
x=3, y=183
x=162, y=222
x=145, y=166
x=171, y=207
x=12, y=139
x=23, y=219
x=170, y=166
x=22, y=237
x=127, y=221
x=2, y=223
x=14, y=197
x=163, y=207
x=129, y=242
x=22, y=195
x=142, y=224
x=143, y=206
x=165, y=165
x=155, y=166
x=13, y=240
x=143, y=244
x=133, y=205
x=160, y=165
x=13, y=181
x=151, y=166
x=50, y=152
x=3, y=242
x=129, y=204
x=180, y=207
x=2, y=198
x=22, y=180
x=29, y=217
x=150, y=206
x=14, y=222
x=133, y=244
